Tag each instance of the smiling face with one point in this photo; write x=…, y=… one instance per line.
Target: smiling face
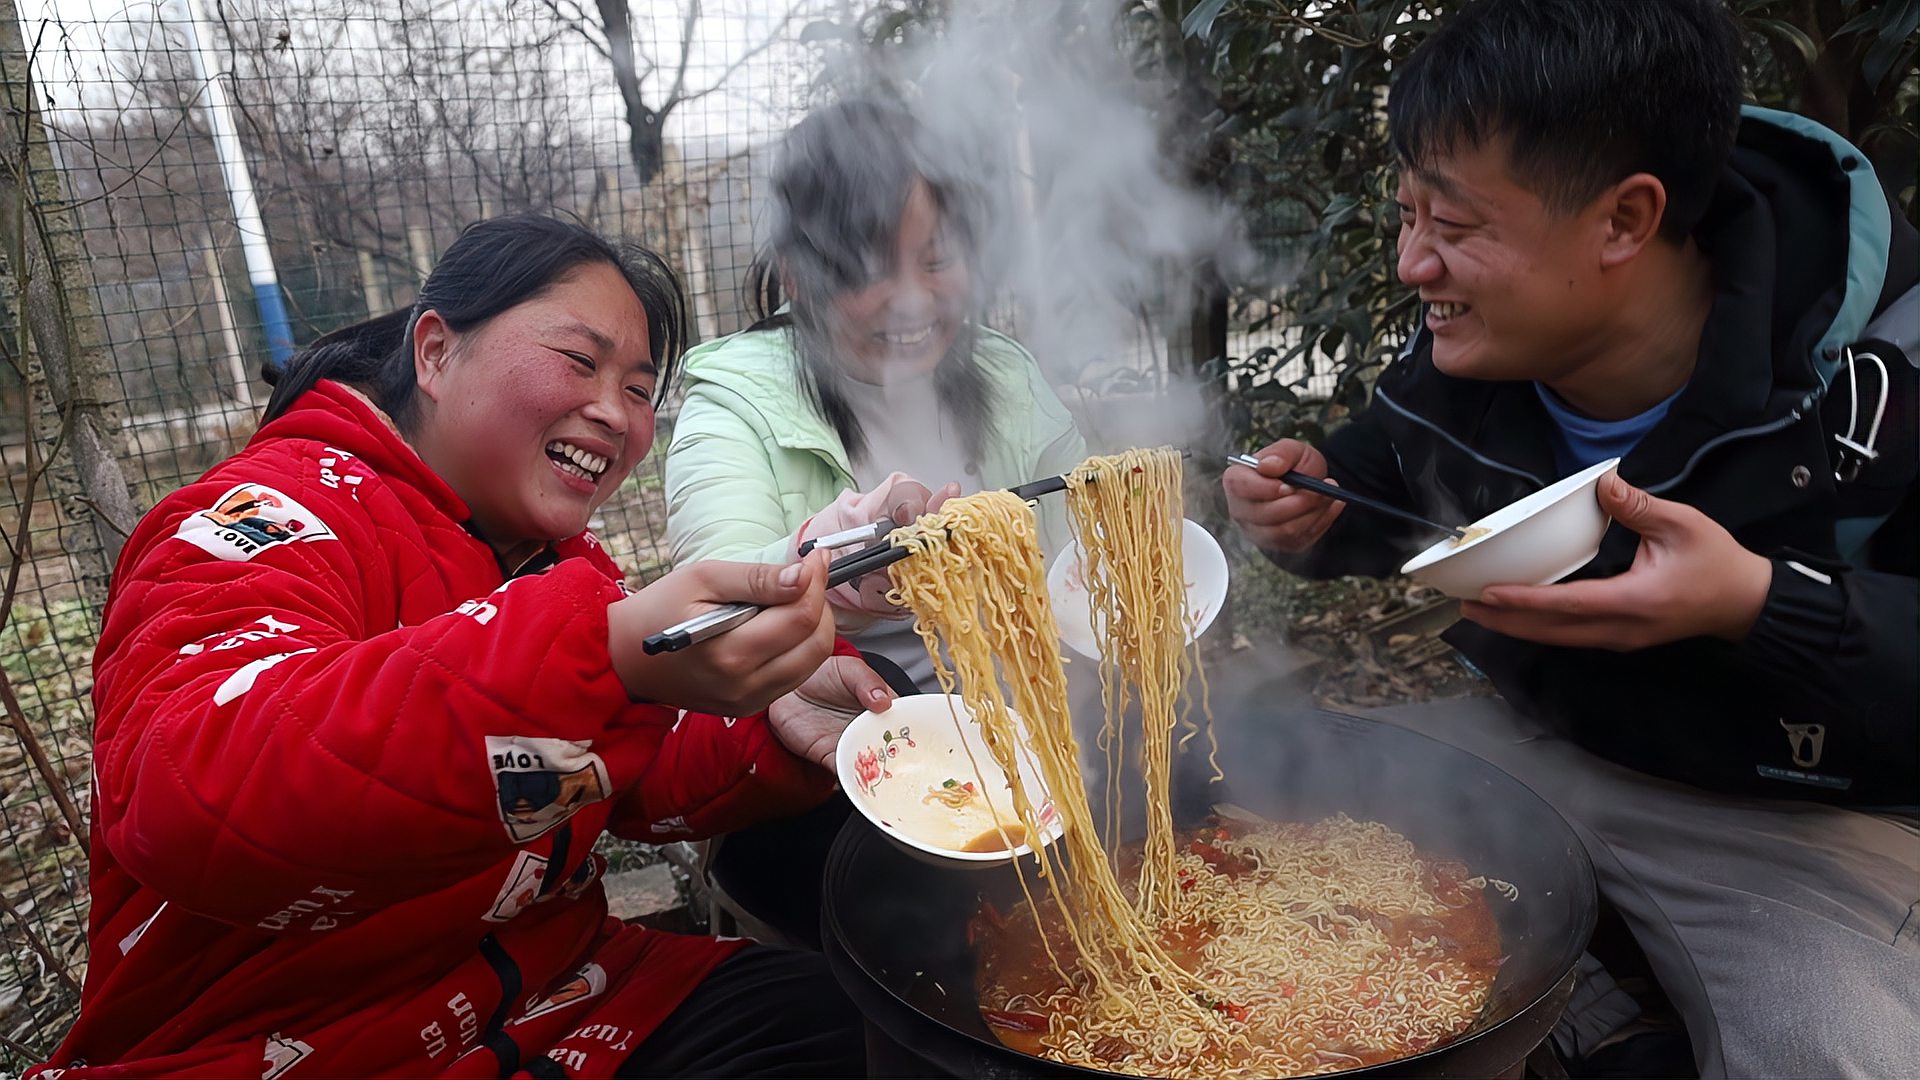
x=536, y=416
x=1514, y=289
x=914, y=302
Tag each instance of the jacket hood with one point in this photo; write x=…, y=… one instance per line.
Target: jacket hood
x=1805, y=246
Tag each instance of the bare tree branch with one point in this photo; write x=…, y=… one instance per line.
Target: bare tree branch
x=643, y=122
x=577, y=21
x=631, y=69
x=44, y=316
x=22, y=1049
x=766, y=43
x=686, y=54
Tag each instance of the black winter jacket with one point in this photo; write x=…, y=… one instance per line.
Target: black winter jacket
x=1819, y=701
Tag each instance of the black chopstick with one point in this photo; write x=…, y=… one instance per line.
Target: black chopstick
x=1033, y=489
x=1331, y=491
x=719, y=620
x=1047, y=485
x=847, y=568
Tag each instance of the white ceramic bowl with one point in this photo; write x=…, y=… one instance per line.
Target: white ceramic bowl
x=1206, y=579
x=1535, y=541
x=890, y=762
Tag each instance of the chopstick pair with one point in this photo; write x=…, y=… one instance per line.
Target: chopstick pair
x=710, y=624
x=1331, y=491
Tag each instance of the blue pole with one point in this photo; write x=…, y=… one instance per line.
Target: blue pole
x=246, y=206
x=273, y=320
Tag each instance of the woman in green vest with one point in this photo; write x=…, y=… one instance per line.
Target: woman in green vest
x=870, y=387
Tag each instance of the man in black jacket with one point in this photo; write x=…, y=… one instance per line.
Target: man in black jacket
x=1616, y=260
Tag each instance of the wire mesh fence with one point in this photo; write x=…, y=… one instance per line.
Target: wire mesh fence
x=194, y=186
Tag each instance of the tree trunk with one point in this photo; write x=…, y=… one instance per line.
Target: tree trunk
x=644, y=124
x=70, y=366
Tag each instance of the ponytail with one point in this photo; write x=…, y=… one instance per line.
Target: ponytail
x=374, y=356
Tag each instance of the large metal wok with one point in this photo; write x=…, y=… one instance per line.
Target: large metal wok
x=894, y=926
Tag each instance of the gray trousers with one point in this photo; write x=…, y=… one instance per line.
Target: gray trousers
x=1787, y=934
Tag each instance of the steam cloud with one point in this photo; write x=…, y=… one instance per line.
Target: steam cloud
x=1036, y=104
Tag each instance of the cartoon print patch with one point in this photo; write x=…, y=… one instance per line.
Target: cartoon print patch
x=527, y=882
x=542, y=782
x=250, y=519
x=589, y=981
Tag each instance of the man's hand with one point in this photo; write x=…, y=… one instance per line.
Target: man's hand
x=1690, y=578
x=809, y=721
x=1274, y=515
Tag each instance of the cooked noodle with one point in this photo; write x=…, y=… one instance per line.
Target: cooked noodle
x=1126, y=511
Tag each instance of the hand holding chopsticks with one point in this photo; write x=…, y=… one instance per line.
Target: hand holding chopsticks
x=865, y=516
x=725, y=617
x=789, y=635
x=1333, y=491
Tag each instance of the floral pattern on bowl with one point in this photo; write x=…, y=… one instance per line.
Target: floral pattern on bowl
x=889, y=763
x=870, y=762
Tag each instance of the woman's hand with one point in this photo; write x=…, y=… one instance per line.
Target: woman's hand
x=1690, y=578
x=900, y=499
x=1273, y=514
x=738, y=672
x=809, y=721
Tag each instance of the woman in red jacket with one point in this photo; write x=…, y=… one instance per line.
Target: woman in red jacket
x=368, y=691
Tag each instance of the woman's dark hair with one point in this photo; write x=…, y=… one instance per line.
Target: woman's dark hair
x=493, y=266
x=1589, y=91
x=840, y=188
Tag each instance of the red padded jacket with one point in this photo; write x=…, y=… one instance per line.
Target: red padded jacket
x=348, y=777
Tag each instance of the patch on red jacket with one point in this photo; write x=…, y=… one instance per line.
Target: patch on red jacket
x=542, y=782
x=282, y=1054
x=589, y=981
x=248, y=520
x=521, y=889
x=342, y=471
